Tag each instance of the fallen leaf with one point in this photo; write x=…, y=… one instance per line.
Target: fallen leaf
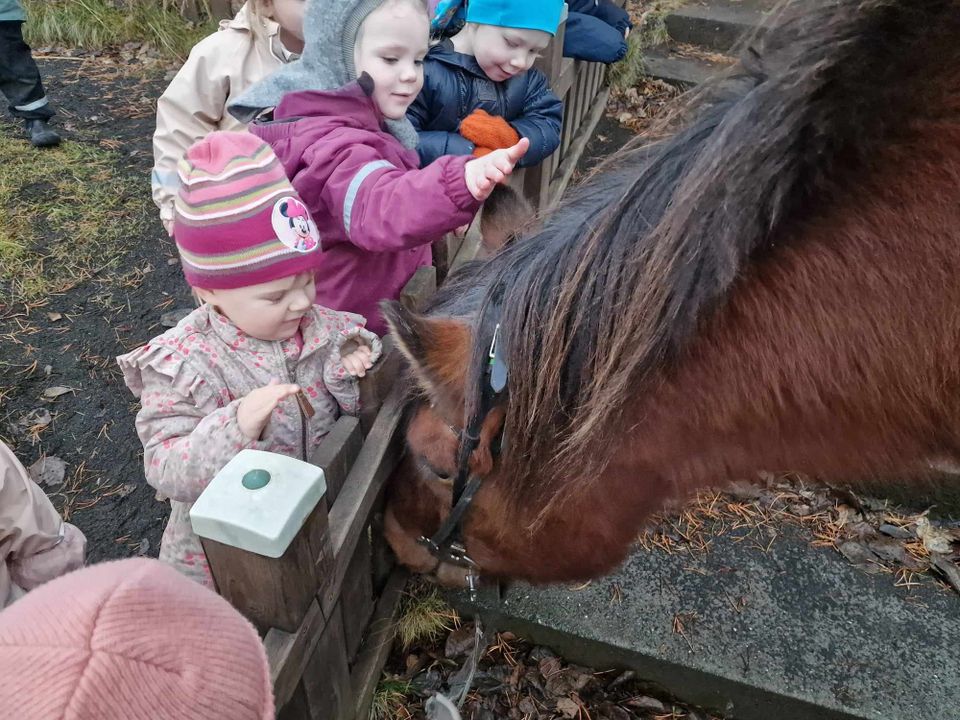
x=460, y=641
x=859, y=554
x=172, y=317
x=54, y=316
x=893, y=550
x=568, y=708
x=896, y=531
x=56, y=391
x=935, y=540
x=642, y=702
x=39, y=417
x=48, y=471
x=948, y=570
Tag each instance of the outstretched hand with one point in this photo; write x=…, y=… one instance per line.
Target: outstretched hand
x=253, y=412
x=485, y=172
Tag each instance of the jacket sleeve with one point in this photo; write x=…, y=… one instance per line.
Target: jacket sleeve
x=383, y=208
x=433, y=143
x=190, y=108
x=185, y=442
x=344, y=387
x=541, y=119
x=589, y=38
x=36, y=544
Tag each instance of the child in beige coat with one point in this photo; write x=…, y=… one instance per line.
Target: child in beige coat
x=264, y=35
x=35, y=544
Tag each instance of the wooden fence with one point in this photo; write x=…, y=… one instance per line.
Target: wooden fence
x=327, y=607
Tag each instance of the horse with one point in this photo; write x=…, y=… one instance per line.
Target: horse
x=770, y=284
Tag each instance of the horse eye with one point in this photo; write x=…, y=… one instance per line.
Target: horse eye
x=439, y=473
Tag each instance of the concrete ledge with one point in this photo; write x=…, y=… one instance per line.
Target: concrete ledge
x=716, y=24
x=661, y=64
x=792, y=633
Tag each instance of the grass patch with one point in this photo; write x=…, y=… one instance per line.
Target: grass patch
x=102, y=24
x=65, y=214
x=424, y=615
x=390, y=700
x=649, y=30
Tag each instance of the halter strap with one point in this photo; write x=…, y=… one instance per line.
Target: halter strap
x=447, y=544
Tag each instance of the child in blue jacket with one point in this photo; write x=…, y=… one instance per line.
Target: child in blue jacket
x=480, y=91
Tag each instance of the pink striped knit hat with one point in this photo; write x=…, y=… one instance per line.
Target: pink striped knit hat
x=130, y=639
x=238, y=220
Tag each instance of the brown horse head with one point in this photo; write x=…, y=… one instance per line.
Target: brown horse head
x=773, y=287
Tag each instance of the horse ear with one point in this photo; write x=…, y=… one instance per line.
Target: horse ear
x=506, y=214
x=437, y=349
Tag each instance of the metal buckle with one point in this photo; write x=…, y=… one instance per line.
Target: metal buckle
x=430, y=545
x=457, y=552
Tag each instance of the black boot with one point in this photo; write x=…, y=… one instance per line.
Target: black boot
x=41, y=134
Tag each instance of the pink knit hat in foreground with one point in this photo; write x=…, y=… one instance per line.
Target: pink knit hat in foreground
x=130, y=639
x=238, y=221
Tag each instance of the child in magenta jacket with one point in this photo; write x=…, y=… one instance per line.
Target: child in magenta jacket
x=348, y=149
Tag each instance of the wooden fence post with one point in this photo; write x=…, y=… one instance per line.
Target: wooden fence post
x=268, y=565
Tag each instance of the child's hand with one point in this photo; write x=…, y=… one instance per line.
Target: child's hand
x=253, y=412
x=168, y=226
x=358, y=361
x=485, y=172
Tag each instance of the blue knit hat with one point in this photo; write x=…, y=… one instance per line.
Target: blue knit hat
x=520, y=14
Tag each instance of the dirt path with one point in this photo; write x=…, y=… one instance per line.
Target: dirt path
x=70, y=339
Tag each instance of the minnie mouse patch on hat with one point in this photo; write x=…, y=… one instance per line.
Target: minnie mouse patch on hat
x=238, y=220
x=293, y=225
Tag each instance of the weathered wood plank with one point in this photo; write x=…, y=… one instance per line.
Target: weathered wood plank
x=375, y=386
x=373, y=655
x=382, y=559
x=569, y=165
x=275, y=592
x=356, y=596
x=288, y=653
x=296, y=708
x=349, y=515
x=420, y=287
x=564, y=79
x=337, y=452
x=326, y=678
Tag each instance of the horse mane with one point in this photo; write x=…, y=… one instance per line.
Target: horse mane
x=618, y=280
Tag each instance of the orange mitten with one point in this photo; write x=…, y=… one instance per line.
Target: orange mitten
x=487, y=132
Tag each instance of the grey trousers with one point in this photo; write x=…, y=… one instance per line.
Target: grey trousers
x=19, y=77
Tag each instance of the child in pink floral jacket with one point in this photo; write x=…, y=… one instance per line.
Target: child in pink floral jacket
x=258, y=365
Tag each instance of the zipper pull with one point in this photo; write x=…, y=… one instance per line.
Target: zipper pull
x=305, y=407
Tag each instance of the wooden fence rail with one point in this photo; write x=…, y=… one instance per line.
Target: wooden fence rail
x=326, y=607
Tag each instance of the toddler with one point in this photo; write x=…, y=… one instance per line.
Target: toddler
x=339, y=127
x=264, y=35
x=480, y=89
x=257, y=365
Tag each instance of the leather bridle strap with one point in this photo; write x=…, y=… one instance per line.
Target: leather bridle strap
x=447, y=544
